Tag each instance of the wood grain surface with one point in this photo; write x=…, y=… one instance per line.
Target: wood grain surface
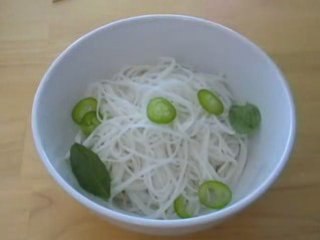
x=34, y=32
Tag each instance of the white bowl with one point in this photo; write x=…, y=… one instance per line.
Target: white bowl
x=207, y=46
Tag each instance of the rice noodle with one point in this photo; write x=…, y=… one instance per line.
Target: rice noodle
x=150, y=165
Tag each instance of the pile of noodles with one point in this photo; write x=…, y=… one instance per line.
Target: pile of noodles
x=152, y=164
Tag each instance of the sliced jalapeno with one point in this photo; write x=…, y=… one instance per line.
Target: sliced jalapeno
x=89, y=122
x=180, y=207
x=82, y=107
x=214, y=194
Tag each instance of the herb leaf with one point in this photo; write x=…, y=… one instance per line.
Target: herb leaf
x=90, y=171
x=244, y=119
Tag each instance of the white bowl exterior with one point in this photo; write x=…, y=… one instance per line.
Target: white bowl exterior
x=208, y=47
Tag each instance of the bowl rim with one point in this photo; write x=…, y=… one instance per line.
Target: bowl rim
x=156, y=223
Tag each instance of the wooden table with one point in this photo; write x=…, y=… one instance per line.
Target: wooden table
x=34, y=32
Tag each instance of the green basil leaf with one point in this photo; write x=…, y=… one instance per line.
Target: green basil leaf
x=90, y=171
x=244, y=119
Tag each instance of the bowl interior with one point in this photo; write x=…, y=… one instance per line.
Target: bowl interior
x=206, y=46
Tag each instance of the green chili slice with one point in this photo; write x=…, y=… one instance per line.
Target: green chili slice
x=161, y=111
x=82, y=107
x=210, y=102
x=214, y=194
x=180, y=207
x=89, y=122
